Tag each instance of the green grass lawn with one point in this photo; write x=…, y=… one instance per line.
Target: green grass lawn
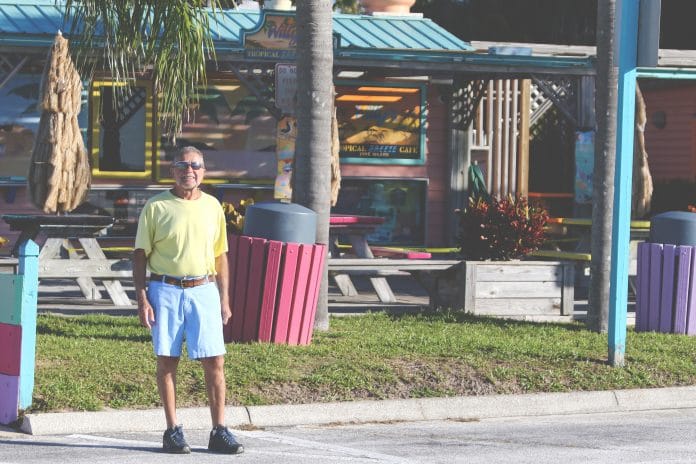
x=97, y=362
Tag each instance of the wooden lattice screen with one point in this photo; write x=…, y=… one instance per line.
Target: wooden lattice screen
x=499, y=132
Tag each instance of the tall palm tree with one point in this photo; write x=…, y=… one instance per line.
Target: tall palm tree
x=312, y=172
x=172, y=39
x=606, y=104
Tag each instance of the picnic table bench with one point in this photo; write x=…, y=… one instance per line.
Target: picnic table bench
x=85, y=262
x=374, y=262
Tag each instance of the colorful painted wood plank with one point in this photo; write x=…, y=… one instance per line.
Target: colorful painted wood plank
x=691, y=307
x=683, y=255
x=270, y=287
x=233, y=244
x=299, y=297
x=10, y=349
x=287, y=286
x=242, y=282
x=655, y=283
x=10, y=303
x=318, y=258
x=9, y=398
x=391, y=252
x=252, y=304
x=643, y=293
x=667, y=292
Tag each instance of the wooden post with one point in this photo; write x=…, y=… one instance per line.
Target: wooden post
x=523, y=157
x=29, y=269
x=18, y=333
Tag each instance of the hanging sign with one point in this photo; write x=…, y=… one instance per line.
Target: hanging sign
x=285, y=151
x=274, y=38
x=286, y=87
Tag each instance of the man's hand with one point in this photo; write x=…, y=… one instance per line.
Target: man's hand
x=145, y=313
x=226, y=313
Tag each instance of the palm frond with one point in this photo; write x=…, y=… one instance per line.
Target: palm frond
x=171, y=40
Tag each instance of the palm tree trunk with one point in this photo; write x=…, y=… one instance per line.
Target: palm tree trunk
x=606, y=101
x=312, y=170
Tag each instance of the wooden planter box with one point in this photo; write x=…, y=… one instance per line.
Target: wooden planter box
x=521, y=289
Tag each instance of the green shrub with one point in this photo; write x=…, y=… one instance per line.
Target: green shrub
x=234, y=215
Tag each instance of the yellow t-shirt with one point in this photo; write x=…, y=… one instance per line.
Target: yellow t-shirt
x=182, y=237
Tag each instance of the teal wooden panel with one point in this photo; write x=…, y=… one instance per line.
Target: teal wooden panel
x=618, y=296
x=11, y=298
x=29, y=269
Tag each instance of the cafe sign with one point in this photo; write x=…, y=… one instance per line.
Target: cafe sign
x=381, y=123
x=274, y=38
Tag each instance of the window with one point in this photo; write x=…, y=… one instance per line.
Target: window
x=19, y=122
x=122, y=130
x=235, y=132
x=401, y=202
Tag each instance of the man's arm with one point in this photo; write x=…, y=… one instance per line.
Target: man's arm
x=223, y=283
x=145, y=311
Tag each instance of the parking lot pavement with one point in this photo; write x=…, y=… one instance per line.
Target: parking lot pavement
x=625, y=437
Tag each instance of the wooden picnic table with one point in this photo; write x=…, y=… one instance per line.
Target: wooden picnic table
x=582, y=227
x=356, y=229
x=376, y=262
x=85, y=260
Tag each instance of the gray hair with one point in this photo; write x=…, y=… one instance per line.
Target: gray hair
x=189, y=149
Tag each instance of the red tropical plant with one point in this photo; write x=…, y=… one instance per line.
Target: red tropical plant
x=501, y=229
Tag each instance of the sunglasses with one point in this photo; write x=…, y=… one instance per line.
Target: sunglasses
x=184, y=165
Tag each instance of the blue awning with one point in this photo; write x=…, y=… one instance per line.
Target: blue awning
x=35, y=22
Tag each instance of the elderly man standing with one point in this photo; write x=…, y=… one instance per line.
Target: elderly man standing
x=182, y=240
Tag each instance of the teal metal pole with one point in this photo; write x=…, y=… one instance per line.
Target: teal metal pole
x=29, y=268
x=618, y=290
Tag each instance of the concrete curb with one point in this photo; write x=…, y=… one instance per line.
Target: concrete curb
x=457, y=408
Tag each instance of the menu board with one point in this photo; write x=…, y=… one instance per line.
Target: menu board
x=381, y=123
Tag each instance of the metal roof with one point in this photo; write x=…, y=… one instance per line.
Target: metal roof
x=406, y=44
x=35, y=22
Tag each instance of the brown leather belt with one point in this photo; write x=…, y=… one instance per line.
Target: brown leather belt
x=182, y=282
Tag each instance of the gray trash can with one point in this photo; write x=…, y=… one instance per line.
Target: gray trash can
x=284, y=222
x=674, y=228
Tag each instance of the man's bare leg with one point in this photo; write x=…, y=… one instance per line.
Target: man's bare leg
x=213, y=368
x=166, y=384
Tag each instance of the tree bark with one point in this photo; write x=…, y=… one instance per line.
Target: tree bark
x=606, y=101
x=312, y=170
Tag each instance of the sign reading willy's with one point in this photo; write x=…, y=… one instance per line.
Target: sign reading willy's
x=275, y=38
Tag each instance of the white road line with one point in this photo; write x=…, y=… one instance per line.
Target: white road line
x=119, y=441
x=315, y=445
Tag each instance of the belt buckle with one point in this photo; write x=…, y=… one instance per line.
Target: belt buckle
x=190, y=282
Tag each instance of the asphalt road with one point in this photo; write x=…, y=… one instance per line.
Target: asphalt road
x=632, y=437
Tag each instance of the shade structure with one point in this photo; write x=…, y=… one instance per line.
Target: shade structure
x=59, y=174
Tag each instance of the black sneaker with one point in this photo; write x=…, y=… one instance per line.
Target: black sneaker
x=222, y=441
x=173, y=441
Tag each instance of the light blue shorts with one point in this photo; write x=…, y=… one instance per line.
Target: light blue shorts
x=191, y=312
